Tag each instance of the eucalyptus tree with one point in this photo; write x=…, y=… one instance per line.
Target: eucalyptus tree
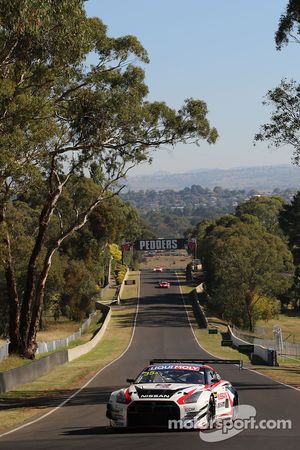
x=247, y=268
x=289, y=25
x=60, y=118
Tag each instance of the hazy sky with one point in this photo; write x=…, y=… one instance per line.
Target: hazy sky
x=220, y=51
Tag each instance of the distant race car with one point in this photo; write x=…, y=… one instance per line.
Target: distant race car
x=157, y=269
x=188, y=391
x=164, y=284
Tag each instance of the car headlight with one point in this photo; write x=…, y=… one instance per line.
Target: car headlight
x=124, y=397
x=193, y=398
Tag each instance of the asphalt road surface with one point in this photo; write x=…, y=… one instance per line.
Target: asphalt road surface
x=162, y=330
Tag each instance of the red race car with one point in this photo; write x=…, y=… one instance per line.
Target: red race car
x=164, y=284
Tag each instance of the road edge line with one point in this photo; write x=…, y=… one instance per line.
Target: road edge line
x=32, y=422
x=244, y=368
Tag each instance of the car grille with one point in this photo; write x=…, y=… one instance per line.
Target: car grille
x=152, y=413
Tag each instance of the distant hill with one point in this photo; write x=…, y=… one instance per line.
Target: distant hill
x=263, y=178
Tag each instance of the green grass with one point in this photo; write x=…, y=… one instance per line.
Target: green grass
x=131, y=290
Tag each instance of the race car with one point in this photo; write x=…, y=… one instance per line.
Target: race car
x=157, y=269
x=164, y=284
x=172, y=393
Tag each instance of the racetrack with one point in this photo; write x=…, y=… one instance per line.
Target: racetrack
x=162, y=330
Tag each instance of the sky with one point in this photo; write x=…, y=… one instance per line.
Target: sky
x=219, y=51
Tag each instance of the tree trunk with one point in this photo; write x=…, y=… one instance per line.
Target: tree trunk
x=13, y=299
x=26, y=309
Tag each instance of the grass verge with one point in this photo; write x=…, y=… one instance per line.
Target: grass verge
x=30, y=400
x=288, y=372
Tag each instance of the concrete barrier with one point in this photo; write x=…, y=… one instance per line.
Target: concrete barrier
x=25, y=374
x=119, y=297
x=198, y=310
x=29, y=372
x=236, y=341
x=80, y=350
x=266, y=355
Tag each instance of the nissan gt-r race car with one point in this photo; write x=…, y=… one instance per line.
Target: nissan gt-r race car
x=173, y=393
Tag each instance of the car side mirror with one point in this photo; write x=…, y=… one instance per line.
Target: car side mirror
x=215, y=380
x=130, y=380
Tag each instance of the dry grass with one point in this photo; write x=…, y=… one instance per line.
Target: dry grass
x=288, y=372
x=289, y=324
x=167, y=261
x=64, y=379
x=58, y=330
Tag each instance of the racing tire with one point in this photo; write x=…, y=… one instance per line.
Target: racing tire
x=235, y=412
x=211, y=413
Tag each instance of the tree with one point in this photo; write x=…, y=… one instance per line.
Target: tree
x=61, y=119
x=245, y=265
x=266, y=209
x=284, y=126
x=289, y=25
x=289, y=220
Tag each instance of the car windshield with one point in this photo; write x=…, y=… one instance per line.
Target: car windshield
x=174, y=374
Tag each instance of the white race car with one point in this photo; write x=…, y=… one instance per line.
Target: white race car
x=174, y=393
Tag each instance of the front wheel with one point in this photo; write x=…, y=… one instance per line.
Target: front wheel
x=211, y=413
x=235, y=407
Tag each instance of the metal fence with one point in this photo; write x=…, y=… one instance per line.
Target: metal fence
x=4, y=351
x=278, y=343
x=44, y=347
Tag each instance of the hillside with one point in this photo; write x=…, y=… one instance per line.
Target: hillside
x=170, y=213
x=264, y=178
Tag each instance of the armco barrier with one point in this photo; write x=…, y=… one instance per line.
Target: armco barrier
x=31, y=371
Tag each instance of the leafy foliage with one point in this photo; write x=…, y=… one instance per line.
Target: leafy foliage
x=62, y=119
x=289, y=25
x=284, y=125
x=245, y=265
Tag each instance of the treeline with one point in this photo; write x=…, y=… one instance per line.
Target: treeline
x=82, y=265
x=171, y=213
x=251, y=260
x=71, y=129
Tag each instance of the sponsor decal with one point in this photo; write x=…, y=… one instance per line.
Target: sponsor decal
x=160, y=244
x=150, y=372
x=176, y=367
x=221, y=405
x=154, y=396
x=222, y=396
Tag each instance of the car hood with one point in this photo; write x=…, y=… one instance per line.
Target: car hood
x=162, y=390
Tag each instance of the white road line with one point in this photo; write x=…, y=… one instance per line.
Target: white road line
x=244, y=368
x=89, y=381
